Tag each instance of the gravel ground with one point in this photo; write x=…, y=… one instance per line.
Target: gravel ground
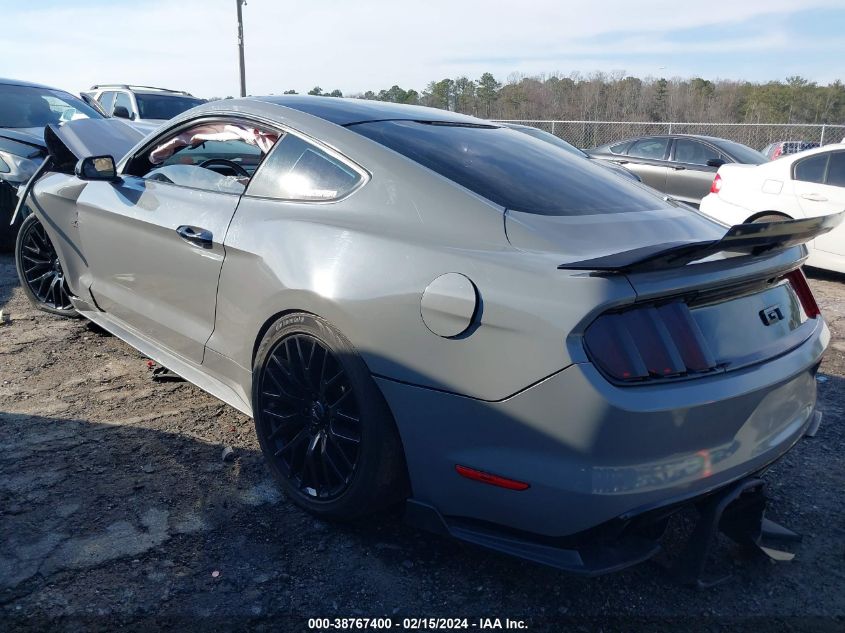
x=117, y=511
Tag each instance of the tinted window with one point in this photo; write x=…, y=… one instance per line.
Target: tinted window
x=742, y=153
x=620, y=148
x=153, y=106
x=811, y=169
x=836, y=170
x=653, y=148
x=122, y=100
x=693, y=152
x=511, y=169
x=25, y=106
x=551, y=138
x=296, y=170
x=107, y=100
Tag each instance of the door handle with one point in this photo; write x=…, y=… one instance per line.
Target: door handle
x=815, y=197
x=196, y=235
x=620, y=162
x=678, y=167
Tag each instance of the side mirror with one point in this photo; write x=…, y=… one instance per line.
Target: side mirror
x=715, y=162
x=96, y=168
x=122, y=113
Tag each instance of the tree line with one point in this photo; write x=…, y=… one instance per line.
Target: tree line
x=618, y=97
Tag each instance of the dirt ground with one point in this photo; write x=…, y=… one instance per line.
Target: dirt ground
x=117, y=511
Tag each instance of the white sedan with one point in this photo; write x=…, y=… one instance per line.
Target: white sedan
x=797, y=186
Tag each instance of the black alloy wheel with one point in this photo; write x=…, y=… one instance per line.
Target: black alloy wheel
x=313, y=419
x=322, y=422
x=40, y=271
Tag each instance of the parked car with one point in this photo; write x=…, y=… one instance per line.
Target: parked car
x=803, y=185
x=25, y=108
x=681, y=166
x=142, y=104
x=784, y=148
x=568, y=147
x=402, y=299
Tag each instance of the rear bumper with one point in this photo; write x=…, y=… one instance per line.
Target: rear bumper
x=593, y=452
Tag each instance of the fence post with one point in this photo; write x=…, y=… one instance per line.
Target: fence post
x=670, y=127
x=553, y=127
x=821, y=141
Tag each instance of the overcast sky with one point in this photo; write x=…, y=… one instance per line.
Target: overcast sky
x=373, y=44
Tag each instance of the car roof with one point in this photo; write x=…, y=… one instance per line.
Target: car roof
x=26, y=84
x=348, y=111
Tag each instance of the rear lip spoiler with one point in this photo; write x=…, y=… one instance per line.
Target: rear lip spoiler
x=743, y=239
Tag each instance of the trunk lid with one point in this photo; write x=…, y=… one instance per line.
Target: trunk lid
x=744, y=302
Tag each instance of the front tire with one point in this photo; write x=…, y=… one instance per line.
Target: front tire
x=40, y=271
x=322, y=423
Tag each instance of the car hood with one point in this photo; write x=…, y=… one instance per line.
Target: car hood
x=29, y=135
x=579, y=237
x=75, y=140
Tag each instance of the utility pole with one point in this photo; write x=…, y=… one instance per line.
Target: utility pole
x=241, y=46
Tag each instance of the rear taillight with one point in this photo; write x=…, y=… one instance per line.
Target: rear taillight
x=649, y=342
x=716, y=185
x=805, y=295
x=778, y=152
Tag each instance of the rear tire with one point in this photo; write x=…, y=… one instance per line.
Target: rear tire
x=323, y=425
x=40, y=271
x=770, y=217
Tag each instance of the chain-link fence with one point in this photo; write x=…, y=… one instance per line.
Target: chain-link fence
x=586, y=134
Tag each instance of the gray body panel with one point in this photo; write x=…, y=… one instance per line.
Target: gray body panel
x=516, y=394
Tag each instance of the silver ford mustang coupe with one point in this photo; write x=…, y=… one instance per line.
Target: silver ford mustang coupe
x=531, y=352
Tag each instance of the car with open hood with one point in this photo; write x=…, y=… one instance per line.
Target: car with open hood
x=25, y=109
x=415, y=306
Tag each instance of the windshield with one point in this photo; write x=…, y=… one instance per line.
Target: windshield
x=743, y=153
x=154, y=106
x=27, y=106
x=512, y=169
x=551, y=138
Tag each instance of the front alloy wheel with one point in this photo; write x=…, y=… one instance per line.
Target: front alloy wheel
x=40, y=271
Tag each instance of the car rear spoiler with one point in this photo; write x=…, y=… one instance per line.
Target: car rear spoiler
x=741, y=239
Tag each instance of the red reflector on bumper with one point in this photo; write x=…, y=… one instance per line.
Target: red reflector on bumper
x=493, y=480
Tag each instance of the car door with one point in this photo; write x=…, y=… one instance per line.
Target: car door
x=154, y=243
x=819, y=182
x=646, y=157
x=689, y=177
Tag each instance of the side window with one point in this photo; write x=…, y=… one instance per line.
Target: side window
x=836, y=170
x=215, y=156
x=297, y=170
x=693, y=152
x=620, y=148
x=811, y=169
x=122, y=100
x=650, y=148
x=107, y=101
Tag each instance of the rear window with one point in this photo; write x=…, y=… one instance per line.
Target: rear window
x=743, y=153
x=512, y=169
x=154, y=106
